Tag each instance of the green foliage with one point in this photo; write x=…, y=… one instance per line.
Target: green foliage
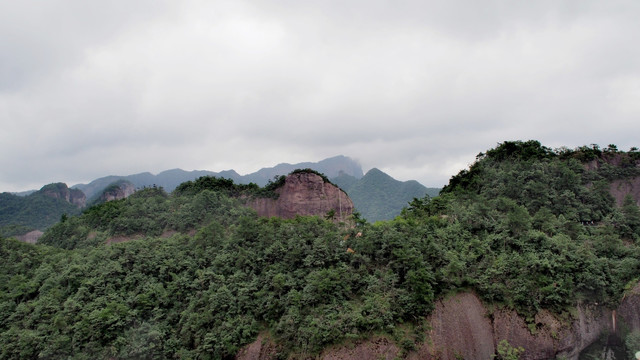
x=225, y=186
x=526, y=230
x=311, y=171
x=380, y=197
x=508, y=352
x=632, y=343
x=545, y=230
x=21, y=214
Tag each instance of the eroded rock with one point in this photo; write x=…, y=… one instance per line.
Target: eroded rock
x=305, y=193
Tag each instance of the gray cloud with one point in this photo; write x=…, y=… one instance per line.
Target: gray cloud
x=415, y=88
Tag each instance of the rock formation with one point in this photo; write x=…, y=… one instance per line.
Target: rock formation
x=305, y=193
x=116, y=191
x=461, y=326
x=621, y=187
x=61, y=191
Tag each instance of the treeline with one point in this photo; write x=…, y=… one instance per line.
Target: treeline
x=20, y=214
x=525, y=227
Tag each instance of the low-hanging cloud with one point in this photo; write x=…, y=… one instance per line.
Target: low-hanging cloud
x=414, y=88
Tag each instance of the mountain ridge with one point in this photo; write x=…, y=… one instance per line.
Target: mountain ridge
x=170, y=179
x=378, y=196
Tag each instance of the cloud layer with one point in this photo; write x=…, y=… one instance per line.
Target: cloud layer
x=416, y=88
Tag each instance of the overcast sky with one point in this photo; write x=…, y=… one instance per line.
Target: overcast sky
x=414, y=88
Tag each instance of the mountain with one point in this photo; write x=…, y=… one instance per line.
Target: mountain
x=170, y=179
x=378, y=196
x=525, y=254
x=116, y=191
x=38, y=210
x=303, y=193
x=330, y=167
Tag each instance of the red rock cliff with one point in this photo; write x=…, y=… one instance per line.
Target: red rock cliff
x=305, y=193
x=461, y=326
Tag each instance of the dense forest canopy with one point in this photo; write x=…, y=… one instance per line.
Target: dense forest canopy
x=20, y=214
x=525, y=227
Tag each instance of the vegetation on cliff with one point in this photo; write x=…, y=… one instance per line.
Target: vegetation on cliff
x=526, y=227
x=38, y=210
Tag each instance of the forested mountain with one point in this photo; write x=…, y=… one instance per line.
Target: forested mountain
x=169, y=179
x=21, y=214
x=378, y=196
x=526, y=228
x=38, y=210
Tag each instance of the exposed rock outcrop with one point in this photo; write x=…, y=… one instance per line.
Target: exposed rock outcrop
x=461, y=326
x=619, y=189
x=31, y=237
x=116, y=191
x=262, y=348
x=629, y=309
x=305, y=193
x=61, y=191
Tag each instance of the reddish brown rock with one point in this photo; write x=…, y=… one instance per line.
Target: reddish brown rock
x=628, y=313
x=261, y=349
x=621, y=188
x=460, y=327
x=305, y=193
x=377, y=348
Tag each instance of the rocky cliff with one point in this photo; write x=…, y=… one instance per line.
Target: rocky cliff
x=462, y=327
x=621, y=187
x=305, y=193
x=61, y=191
x=116, y=191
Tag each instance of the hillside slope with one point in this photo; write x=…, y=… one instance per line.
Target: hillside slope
x=378, y=196
x=529, y=234
x=171, y=178
x=38, y=210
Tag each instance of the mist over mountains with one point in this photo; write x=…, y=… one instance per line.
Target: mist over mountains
x=376, y=195
x=169, y=179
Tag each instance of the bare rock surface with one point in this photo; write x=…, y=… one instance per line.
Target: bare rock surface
x=117, y=192
x=62, y=192
x=377, y=348
x=305, y=193
x=31, y=237
x=629, y=310
x=462, y=327
x=261, y=349
x=621, y=188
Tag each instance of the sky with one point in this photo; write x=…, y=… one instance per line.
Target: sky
x=414, y=88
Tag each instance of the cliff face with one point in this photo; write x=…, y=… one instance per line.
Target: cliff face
x=61, y=191
x=305, y=193
x=461, y=326
x=621, y=187
x=117, y=191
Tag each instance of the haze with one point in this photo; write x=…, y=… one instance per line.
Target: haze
x=415, y=88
